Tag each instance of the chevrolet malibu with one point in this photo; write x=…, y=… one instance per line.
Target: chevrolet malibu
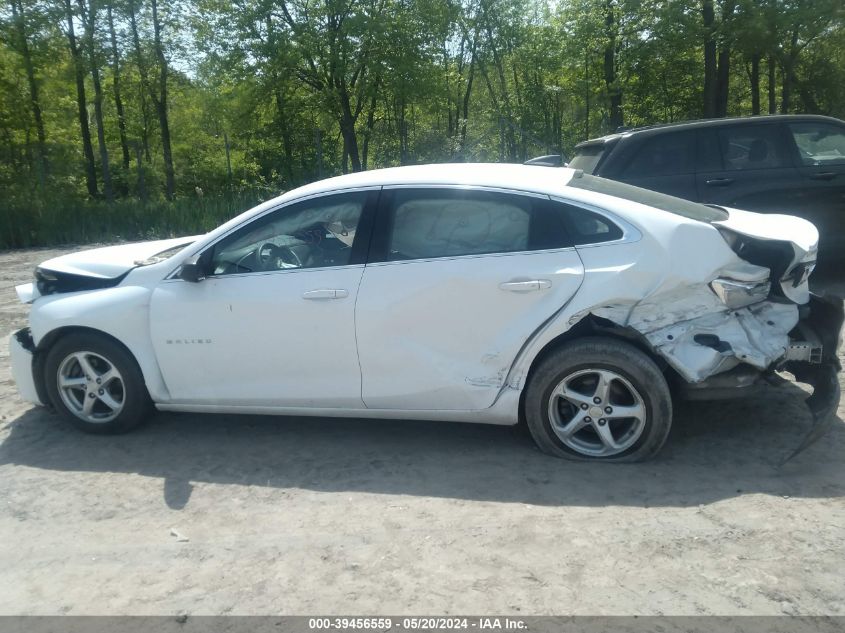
x=472, y=293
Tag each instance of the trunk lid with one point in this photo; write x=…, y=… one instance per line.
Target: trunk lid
x=785, y=244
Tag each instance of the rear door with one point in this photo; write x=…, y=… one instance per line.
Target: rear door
x=819, y=153
x=458, y=280
x=747, y=167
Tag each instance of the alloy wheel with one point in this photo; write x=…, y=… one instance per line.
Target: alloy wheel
x=91, y=387
x=597, y=412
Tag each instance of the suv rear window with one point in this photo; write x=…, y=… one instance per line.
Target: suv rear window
x=678, y=206
x=587, y=157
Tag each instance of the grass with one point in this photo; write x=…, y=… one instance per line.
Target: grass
x=51, y=222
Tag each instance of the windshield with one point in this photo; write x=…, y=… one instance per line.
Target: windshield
x=678, y=206
x=160, y=257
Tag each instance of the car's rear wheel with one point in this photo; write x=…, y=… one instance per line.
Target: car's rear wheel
x=96, y=384
x=598, y=399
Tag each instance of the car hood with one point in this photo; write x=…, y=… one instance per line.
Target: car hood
x=111, y=262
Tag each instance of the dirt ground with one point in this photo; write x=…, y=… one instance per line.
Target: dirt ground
x=196, y=514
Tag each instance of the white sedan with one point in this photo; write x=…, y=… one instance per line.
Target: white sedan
x=474, y=293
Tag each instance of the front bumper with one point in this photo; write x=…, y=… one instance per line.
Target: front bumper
x=22, y=351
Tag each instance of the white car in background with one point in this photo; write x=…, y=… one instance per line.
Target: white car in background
x=474, y=293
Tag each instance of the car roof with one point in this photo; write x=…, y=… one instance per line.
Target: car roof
x=506, y=176
x=530, y=178
x=659, y=128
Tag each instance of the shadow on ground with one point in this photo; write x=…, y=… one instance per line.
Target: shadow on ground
x=715, y=451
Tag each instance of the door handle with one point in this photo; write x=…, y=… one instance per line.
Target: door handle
x=825, y=175
x=719, y=182
x=326, y=293
x=526, y=285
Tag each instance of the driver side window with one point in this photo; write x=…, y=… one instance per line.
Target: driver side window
x=316, y=233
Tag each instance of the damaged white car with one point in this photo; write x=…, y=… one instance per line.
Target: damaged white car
x=474, y=293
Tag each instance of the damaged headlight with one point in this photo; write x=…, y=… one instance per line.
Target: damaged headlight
x=738, y=294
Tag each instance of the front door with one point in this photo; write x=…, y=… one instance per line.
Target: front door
x=273, y=322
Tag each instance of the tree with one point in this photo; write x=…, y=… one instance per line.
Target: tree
x=21, y=44
x=89, y=17
x=81, y=102
x=160, y=101
x=118, y=101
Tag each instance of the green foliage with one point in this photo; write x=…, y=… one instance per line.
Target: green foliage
x=60, y=219
x=265, y=95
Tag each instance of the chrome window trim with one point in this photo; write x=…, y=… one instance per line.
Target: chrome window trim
x=472, y=256
x=263, y=273
x=519, y=192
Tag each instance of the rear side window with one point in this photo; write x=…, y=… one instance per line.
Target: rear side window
x=586, y=227
x=663, y=155
x=432, y=223
x=751, y=147
x=661, y=201
x=587, y=157
x=819, y=143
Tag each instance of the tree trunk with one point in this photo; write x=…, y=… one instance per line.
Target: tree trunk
x=287, y=142
x=723, y=82
x=347, y=129
x=610, y=80
x=586, y=95
x=118, y=102
x=710, y=70
x=142, y=72
x=786, y=89
x=465, y=105
x=506, y=117
x=160, y=101
x=755, y=83
x=371, y=121
x=788, y=64
x=81, y=104
x=89, y=16
x=35, y=102
x=770, y=67
x=142, y=186
x=723, y=71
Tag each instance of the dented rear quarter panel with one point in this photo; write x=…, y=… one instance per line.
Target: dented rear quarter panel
x=658, y=287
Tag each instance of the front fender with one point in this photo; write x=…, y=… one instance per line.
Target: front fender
x=121, y=312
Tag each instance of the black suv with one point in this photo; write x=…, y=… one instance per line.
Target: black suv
x=776, y=164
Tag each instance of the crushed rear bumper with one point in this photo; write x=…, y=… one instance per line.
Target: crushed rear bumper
x=822, y=320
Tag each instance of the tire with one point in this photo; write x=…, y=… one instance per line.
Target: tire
x=560, y=402
x=73, y=367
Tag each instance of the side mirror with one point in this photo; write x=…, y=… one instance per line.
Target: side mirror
x=193, y=269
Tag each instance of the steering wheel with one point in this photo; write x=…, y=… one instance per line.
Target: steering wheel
x=273, y=257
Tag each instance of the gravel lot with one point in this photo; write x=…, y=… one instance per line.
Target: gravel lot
x=197, y=514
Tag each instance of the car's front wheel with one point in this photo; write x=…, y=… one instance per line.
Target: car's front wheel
x=96, y=384
x=598, y=399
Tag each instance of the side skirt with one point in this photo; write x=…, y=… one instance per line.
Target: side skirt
x=505, y=412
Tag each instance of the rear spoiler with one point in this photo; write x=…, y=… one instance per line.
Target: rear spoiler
x=550, y=160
